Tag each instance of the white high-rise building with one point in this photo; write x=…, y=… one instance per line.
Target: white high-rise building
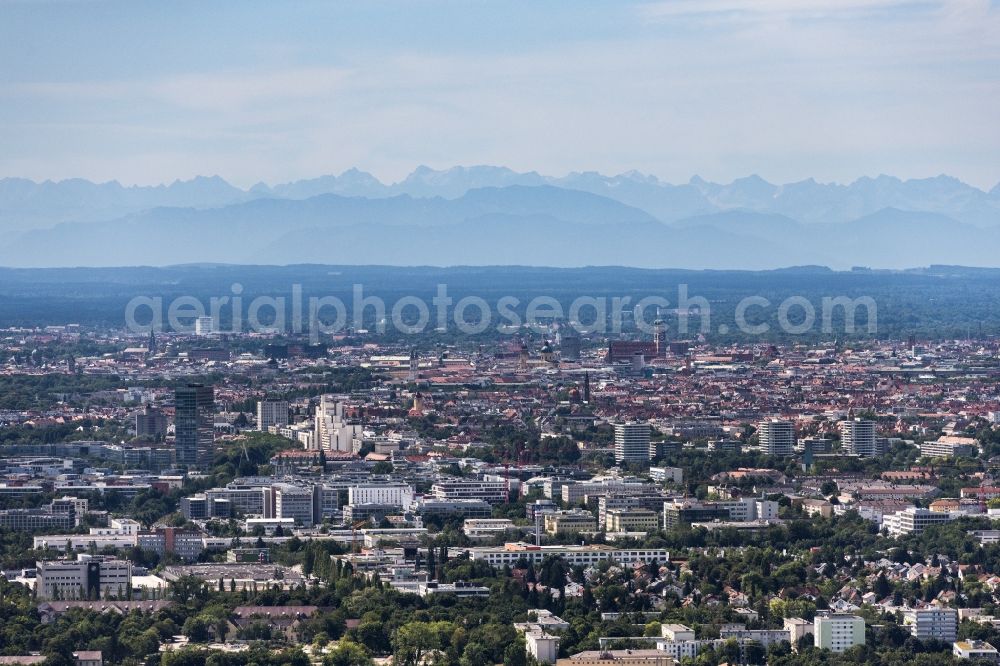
x=204, y=326
x=271, y=413
x=777, y=437
x=332, y=432
x=938, y=623
x=632, y=441
x=858, y=438
x=838, y=631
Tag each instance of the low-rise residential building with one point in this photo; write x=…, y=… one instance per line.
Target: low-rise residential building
x=973, y=649
x=511, y=553
x=636, y=657
x=492, y=492
x=949, y=446
x=677, y=632
x=982, y=493
x=574, y=520
x=632, y=520
x=666, y=474
x=816, y=507
x=484, y=528
x=458, y=588
x=914, y=520
x=542, y=646
x=88, y=658
x=539, y=643
x=797, y=629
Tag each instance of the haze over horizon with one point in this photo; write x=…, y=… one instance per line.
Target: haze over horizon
x=422, y=170
x=494, y=216
x=720, y=88
x=828, y=132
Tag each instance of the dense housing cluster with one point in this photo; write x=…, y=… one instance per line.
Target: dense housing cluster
x=549, y=497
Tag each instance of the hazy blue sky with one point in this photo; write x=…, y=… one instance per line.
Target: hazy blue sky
x=275, y=91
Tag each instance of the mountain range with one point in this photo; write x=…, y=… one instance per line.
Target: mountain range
x=488, y=215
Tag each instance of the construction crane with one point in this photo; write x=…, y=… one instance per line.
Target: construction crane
x=354, y=535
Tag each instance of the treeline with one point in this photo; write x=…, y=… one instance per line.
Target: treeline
x=40, y=392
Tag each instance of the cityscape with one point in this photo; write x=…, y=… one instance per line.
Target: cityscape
x=664, y=499
x=450, y=333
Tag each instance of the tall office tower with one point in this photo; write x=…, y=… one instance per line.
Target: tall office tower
x=632, y=441
x=858, y=437
x=194, y=425
x=271, y=413
x=777, y=438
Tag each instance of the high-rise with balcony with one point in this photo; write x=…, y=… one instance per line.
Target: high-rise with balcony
x=858, y=438
x=632, y=441
x=838, y=632
x=777, y=437
x=271, y=413
x=937, y=623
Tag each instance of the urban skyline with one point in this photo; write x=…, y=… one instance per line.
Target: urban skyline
x=450, y=333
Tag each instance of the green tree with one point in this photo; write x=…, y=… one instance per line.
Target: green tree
x=347, y=653
x=196, y=629
x=411, y=642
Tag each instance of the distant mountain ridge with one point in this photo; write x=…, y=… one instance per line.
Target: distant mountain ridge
x=25, y=204
x=281, y=230
x=495, y=216
x=516, y=225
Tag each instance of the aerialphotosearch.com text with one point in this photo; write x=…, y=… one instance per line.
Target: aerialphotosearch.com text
x=317, y=316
